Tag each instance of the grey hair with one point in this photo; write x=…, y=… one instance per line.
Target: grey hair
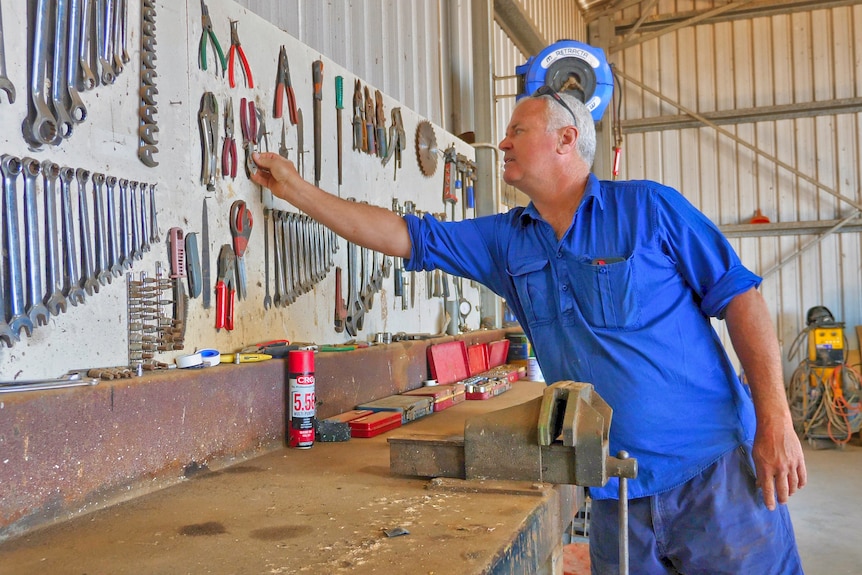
x=558, y=117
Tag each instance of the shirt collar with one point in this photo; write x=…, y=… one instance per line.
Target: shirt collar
x=593, y=192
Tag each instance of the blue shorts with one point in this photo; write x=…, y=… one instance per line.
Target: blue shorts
x=714, y=524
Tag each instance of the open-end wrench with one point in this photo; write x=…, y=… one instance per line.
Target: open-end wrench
x=154, y=222
x=104, y=13
x=355, y=307
x=5, y=84
x=124, y=22
x=125, y=252
x=87, y=80
x=100, y=230
x=277, y=261
x=16, y=319
x=35, y=309
x=71, y=276
x=115, y=265
x=287, y=259
x=116, y=37
x=77, y=110
x=59, y=93
x=53, y=298
x=89, y=274
x=267, y=298
x=136, y=251
x=41, y=125
x=145, y=229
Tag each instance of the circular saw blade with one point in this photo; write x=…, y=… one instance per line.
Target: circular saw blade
x=426, y=148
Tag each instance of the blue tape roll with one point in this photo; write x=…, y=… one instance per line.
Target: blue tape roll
x=210, y=357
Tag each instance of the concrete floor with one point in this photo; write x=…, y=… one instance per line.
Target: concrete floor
x=827, y=513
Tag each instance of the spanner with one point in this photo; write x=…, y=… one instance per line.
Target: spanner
x=287, y=264
x=71, y=276
x=41, y=127
x=59, y=93
x=16, y=319
x=116, y=37
x=5, y=84
x=154, y=223
x=133, y=223
x=53, y=298
x=100, y=231
x=145, y=232
x=77, y=110
x=89, y=275
x=104, y=12
x=87, y=80
x=114, y=258
x=125, y=251
x=267, y=298
x=277, y=261
x=35, y=309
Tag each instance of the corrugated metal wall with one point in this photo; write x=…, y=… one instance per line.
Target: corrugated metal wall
x=783, y=59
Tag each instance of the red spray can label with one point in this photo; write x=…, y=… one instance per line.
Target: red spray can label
x=301, y=407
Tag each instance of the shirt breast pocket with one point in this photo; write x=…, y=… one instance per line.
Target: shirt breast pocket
x=607, y=293
x=534, y=283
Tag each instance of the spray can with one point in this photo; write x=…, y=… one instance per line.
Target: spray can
x=301, y=407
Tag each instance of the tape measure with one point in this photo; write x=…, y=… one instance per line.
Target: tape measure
x=570, y=67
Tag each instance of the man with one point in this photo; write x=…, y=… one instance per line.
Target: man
x=614, y=283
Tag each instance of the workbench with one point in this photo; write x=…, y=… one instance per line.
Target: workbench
x=318, y=511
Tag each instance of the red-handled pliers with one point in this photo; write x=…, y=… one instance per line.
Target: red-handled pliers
x=228, y=151
x=283, y=88
x=225, y=288
x=236, y=48
x=248, y=125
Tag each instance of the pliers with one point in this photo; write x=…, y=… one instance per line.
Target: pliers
x=236, y=48
x=228, y=151
x=207, y=25
x=225, y=288
x=284, y=88
x=248, y=125
x=208, y=121
x=241, y=223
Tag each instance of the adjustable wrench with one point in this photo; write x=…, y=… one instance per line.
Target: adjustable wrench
x=35, y=309
x=125, y=252
x=71, y=277
x=77, y=110
x=100, y=232
x=59, y=93
x=16, y=319
x=53, y=299
x=41, y=125
x=88, y=272
x=5, y=84
x=114, y=257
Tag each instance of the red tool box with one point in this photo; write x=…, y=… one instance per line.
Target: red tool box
x=375, y=424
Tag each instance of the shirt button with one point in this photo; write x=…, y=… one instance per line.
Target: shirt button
x=603, y=270
x=565, y=287
x=559, y=254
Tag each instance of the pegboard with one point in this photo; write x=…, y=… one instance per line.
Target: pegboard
x=94, y=333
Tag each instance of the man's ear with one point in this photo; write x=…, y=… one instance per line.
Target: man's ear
x=568, y=139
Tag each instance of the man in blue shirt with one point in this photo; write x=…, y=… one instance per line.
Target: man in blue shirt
x=615, y=284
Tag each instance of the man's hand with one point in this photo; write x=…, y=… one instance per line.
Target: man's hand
x=779, y=462
x=276, y=173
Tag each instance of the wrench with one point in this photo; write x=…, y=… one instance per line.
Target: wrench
x=136, y=238
x=41, y=125
x=87, y=80
x=277, y=260
x=59, y=93
x=35, y=309
x=125, y=253
x=71, y=277
x=145, y=233
x=88, y=272
x=5, y=84
x=116, y=40
x=77, y=110
x=124, y=53
x=104, y=14
x=114, y=257
x=267, y=298
x=154, y=223
x=53, y=298
x=103, y=271
x=16, y=319
x=286, y=260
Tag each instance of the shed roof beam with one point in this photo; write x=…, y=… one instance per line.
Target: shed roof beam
x=520, y=28
x=744, y=115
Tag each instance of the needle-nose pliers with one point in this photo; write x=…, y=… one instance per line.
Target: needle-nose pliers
x=207, y=25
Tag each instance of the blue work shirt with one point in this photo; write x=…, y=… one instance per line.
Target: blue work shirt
x=623, y=302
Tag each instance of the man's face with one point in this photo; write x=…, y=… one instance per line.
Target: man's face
x=528, y=147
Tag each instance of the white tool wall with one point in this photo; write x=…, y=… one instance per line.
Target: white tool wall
x=95, y=333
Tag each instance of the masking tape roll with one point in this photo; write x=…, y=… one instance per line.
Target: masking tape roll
x=191, y=360
x=210, y=357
